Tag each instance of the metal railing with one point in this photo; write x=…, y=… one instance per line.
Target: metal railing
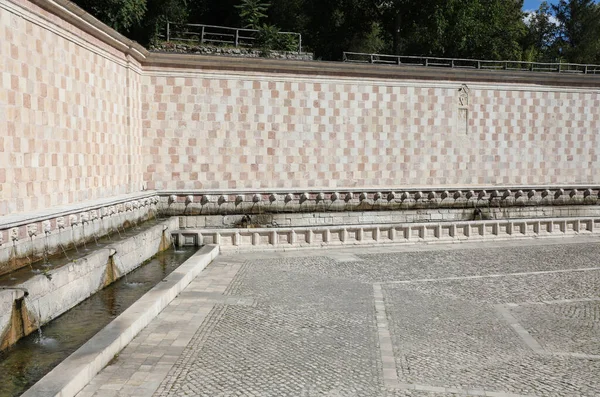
x=575, y=68
x=219, y=35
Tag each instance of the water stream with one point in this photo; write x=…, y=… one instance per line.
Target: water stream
x=32, y=357
x=66, y=256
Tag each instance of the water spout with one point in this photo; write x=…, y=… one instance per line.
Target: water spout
x=22, y=289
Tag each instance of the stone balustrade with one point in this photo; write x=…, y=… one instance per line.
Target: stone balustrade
x=349, y=235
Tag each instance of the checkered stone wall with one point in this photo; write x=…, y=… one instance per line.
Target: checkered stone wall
x=90, y=116
x=214, y=131
x=69, y=113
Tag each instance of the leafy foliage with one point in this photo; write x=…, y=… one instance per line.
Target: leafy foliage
x=579, y=30
x=271, y=39
x=252, y=12
x=541, y=35
x=485, y=29
x=121, y=15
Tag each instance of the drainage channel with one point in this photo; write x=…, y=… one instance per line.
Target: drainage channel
x=32, y=357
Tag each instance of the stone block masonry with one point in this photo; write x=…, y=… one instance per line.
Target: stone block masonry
x=69, y=112
x=248, y=131
x=86, y=114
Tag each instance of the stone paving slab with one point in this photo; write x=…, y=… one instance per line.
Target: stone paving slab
x=506, y=319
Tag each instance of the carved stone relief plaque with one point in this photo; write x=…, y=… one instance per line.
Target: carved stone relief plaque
x=464, y=102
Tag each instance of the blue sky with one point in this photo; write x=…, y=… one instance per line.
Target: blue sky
x=534, y=4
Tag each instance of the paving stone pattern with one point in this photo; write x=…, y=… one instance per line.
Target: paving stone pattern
x=308, y=335
x=565, y=327
x=448, y=340
x=497, y=319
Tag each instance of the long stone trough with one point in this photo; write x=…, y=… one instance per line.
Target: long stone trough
x=31, y=304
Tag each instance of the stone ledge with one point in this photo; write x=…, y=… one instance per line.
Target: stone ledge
x=367, y=235
x=19, y=219
x=71, y=375
x=353, y=70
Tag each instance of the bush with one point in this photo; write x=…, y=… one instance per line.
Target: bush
x=270, y=39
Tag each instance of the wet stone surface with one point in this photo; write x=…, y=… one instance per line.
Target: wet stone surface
x=496, y=319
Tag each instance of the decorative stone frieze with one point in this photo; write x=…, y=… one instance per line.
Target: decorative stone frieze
x=265, y=200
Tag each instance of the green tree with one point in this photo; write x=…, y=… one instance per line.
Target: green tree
x=252, y=12
x=121, y=15
x=159, y=12
x=579, y=32
x=333, y=26
x=490, y=29
x=542, y=31
x=288, y=15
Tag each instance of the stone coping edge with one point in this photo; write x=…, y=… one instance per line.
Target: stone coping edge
x=77, y=370
x=398, y=188
x=295, y=238
x=19, y=219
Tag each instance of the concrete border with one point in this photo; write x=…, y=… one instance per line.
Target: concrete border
x=71, y=375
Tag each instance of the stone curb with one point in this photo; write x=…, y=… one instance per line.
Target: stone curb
x=70, y=376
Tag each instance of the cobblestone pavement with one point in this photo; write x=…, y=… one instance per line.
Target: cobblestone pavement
x=501, y=319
